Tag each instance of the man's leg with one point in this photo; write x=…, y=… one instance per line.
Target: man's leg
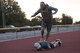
x=56, y=43
x=49, y=26
x=43, y=26
x=47, y=35
x=42, y=33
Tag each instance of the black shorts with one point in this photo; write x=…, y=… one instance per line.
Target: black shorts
x=47, y=25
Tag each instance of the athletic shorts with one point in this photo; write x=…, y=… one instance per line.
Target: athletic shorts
x=46, y=45
x=47, y=25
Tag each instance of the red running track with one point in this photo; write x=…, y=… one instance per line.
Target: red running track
x=71, y=44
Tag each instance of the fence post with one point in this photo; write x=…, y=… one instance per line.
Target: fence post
x=57, y=28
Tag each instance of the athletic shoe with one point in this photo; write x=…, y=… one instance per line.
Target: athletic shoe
x=60, y=42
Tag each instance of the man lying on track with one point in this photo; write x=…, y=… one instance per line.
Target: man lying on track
x=47, y=45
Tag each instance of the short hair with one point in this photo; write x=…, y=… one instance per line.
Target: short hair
x=42, y=2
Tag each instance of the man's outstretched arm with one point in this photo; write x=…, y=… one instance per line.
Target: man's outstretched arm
x=36, y=13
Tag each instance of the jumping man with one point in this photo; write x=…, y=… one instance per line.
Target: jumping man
x=46, y=12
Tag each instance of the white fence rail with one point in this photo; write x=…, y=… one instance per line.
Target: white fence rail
x=65, y=28
x=26, y=34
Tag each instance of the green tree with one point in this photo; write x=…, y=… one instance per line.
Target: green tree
x=12, y=13
x=56, y=21
x=77, y=22
x=36, y=21
x=66, y=19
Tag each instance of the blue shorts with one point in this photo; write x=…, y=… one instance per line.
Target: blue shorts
x=44, y=44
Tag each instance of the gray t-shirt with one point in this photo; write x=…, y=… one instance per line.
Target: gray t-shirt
x=47, y=12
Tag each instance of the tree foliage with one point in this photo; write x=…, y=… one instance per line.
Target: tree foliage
x=15, y=16
x=66, y=19
x=12, y=13
x=77, y=22
x=56, y=21
x=36, y=21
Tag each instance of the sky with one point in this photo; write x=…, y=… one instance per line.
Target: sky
x=69, y=7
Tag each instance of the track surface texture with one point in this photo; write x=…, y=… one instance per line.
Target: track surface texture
x=70, y=40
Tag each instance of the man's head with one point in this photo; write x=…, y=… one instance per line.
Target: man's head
x=42, y=5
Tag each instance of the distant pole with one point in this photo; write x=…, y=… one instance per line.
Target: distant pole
x=3, y=17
